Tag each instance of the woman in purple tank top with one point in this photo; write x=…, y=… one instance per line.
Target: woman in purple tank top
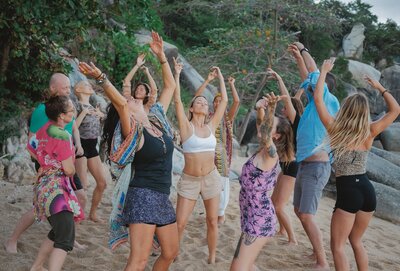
x=259, y=175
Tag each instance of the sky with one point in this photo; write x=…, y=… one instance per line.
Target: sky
x=384, y=9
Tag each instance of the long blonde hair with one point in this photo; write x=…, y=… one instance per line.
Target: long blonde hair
x=351, y=127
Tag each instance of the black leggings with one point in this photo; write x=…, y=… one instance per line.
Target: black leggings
x=355, y=193
x=62, y=230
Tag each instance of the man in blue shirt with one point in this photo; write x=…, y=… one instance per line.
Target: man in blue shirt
x=314, y=165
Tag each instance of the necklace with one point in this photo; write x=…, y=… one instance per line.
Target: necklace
x=158, y=133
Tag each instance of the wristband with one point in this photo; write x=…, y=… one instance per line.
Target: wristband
x=101, y=79
x=384, y=92
x=304, y=49
x=163, y=62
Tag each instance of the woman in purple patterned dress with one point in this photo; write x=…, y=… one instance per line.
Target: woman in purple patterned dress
x=259, y=175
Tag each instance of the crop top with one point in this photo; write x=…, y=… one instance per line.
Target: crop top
x=196, y=144
x=351, y=163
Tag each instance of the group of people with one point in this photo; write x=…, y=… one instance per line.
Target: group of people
x=295, y=155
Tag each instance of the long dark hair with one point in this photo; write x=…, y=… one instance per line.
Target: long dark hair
x=146, y=86
x=109, y=127
x=284, y=144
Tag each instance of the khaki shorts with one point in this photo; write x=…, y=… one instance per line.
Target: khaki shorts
x=209, y=186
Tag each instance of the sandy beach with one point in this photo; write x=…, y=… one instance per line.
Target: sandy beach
x=382, y=239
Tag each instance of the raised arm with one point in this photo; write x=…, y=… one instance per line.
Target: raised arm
x=126, y=83
x=220, y=111
x=378, y=126
x=323, y=113
x=260, y=107
x=81, y=116
x=298, y=94
x=156, y=46
x=211, y=76
x=267, y=123
x=308, y=60
x=183, y=121
x=153, y=87
x=283, y=90
x=299, y=61
x=236, y=100
x=120, y=103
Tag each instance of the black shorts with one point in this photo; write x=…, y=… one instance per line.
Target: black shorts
x=77, y=182
x=62, y=230
x=355, y=193
x=289, y=169
x=89, y=148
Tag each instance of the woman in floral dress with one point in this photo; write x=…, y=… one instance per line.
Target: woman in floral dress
x=54, y=198
x=259, y=175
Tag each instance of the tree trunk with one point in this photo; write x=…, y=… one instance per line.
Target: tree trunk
x=243, y=127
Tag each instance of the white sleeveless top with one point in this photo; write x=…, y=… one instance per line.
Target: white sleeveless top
x=196, y=144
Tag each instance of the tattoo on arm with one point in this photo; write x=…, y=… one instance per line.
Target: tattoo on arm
x=266, y=129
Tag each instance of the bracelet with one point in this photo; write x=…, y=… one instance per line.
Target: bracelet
x=101, y=79
x=304, y=49
x=98, y=76
x=385, y=92
x=163, y=62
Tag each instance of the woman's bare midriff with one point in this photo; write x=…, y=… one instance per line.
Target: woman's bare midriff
x=199, y=164
x=318, y=157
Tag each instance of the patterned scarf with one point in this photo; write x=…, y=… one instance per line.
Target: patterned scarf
x=121, y=157
x=223, y=150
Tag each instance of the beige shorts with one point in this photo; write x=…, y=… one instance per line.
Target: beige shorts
x=209, y=186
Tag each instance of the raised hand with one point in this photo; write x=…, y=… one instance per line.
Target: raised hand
x=231, y=80
x=140, y=59
x=217, y=71
x=272, y=74
x=262, y=103
x=328, y=64
x=89, y=70
x=294, y=50
x=272, y=99
x=299, y=45
x=157, y=44
x=373, y=83
x=212, y=75
x=145, y=69
x=177, y=66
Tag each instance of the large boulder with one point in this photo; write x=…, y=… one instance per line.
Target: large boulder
x=358, y=71
x=383, y=171
x=193, y=80
x=353, y=42
x=391, y=77
x=390, y=156
x=390, y=137
x=388, y=203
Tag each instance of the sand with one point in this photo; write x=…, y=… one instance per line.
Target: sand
x=382, y=239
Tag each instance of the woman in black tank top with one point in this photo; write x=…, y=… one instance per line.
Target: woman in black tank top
x=128, y=130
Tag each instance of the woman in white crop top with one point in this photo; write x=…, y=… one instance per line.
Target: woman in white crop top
x=200, y=177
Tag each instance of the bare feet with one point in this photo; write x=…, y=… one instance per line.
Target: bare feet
x=38, y=268
x=94, y=218
x=221, y=219
x=211, y=260
x=79, y=246
x=321, y=267
x=10, y=247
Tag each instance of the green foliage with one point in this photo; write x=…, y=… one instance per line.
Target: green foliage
x=33, y=32
x=341, y=71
